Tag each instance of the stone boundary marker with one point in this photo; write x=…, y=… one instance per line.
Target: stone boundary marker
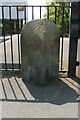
x=40, y=51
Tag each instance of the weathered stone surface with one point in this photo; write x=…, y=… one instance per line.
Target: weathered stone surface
x=40, y=51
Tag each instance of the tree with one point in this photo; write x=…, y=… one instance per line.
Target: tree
x=58, y=12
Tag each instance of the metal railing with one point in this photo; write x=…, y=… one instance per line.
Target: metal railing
x=14, y=28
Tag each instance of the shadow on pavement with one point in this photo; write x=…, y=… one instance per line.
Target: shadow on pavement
x=57, y=92
x=77, y=79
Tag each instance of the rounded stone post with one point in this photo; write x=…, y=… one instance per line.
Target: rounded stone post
x=40, y=51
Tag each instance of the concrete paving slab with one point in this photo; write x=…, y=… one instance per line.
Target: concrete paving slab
x=39, y=110
x=58, y=99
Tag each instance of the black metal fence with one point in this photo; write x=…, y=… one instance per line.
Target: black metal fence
x=11, y=48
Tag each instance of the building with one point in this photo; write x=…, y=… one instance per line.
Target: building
x=13, y=16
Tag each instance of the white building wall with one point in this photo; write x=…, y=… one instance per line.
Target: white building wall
x=13, y=9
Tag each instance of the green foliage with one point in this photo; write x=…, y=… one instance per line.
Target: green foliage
x=58, y=12
x=1, y=25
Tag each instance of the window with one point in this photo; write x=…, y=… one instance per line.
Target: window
x=20, y=8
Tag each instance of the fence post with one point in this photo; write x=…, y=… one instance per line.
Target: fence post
x=73, y=39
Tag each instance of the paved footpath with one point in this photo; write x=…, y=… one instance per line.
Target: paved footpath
x=56, y=100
